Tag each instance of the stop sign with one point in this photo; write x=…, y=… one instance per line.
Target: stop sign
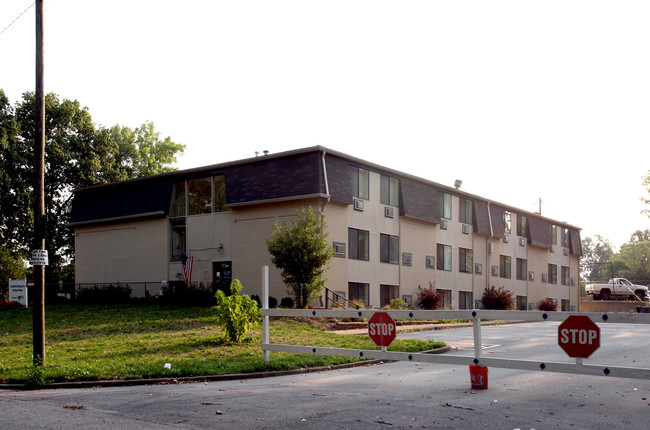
x=578, y=336
x=382, y=329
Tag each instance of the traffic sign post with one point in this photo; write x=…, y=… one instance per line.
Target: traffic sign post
x=382, y=329
x=578, y=336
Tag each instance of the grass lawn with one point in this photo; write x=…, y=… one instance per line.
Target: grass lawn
x=136, y=341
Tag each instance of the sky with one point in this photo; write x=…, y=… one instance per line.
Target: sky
x=521, y=100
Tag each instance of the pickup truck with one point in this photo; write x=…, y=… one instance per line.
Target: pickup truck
x=617, y=288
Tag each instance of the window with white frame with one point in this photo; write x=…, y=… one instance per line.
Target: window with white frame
x=444, y=257
x=446, y=206
x=359, y=291
x=466, y=260
x=358, y=244
x=389, y=249
x=389, y=190
x=361, y=183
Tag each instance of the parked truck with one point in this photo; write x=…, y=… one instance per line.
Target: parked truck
x=617, y=288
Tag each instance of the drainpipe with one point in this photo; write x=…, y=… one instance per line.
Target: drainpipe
x=488, y=269
x=327, y=187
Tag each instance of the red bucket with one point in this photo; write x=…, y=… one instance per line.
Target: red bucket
x=478, y=376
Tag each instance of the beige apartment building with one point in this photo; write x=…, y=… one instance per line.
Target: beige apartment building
x=393, y=233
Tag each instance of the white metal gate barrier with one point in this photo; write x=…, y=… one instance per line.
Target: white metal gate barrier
x=475, y=316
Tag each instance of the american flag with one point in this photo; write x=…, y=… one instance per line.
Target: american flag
x=187, y=268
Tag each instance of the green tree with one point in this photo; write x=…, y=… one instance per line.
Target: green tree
x=299, y=248
x=633, y=259
x=595, y=252
x=77, y=154
x=11, y=267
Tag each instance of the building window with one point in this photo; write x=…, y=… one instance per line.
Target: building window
x=389, y=249
x=566, y=279
x=219, y=195
x=522, y=303
x=359, y=244
x=507, y=222
x=359, y=291
x=199, y=196
x=446, y=206
x=466, y=260
x=552, y=274
x=387, y=293
x=444, y=257
x=178, y=200
x=522, y=220
x=565, y=237
x=389, y=190
x=361, y=183
x=178, y=239
x=522, y=269
x=554, y=234
x=445, y=303
x=465, y=215
x=566, y=305
x=505, y=266
x=465, y=300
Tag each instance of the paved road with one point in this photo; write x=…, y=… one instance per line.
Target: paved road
x=393, y=395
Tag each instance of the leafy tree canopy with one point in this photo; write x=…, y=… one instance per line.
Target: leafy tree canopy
x=77, y=154
x=299, y=248
x=596, y=252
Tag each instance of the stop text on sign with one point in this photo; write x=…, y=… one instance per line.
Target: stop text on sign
x=381, y=329
x=578, y=336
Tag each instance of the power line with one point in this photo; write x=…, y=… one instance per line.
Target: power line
x=17, y=18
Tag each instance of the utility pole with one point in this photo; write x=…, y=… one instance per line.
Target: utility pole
x=39, y=196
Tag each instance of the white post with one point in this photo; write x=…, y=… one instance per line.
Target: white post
x=265, y=305
x=478, y=343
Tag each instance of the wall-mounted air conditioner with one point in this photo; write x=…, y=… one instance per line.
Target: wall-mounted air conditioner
x=552, y=248
x=407, y=259
x=506, y=238
x=495, y=270
x=389, y=212
x=444, y=224
x=339, y=249
x=465, y=228
x=431, y=262
x=566, y=251
x=358, y=205
x=522, y=241
x=531, y=276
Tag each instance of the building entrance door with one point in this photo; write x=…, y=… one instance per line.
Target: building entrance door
x=222, y=275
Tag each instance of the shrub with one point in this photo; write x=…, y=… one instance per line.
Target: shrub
x=273, y=302
x=236, y=313
x=429, y=298
x=287, y=302
x=498, y=299
x=547, y=305
x=178, y=293
x=104, y=295
x=398, y=303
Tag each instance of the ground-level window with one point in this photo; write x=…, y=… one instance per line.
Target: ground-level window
x=387, y=293
x=552, y=274
x=566, y=305
x=359, y=244
x=444, y=257
x=446, y=298
x=178, y=239
x=505, y=266
x=465, y=300
x=359, y=291
x=522, y=303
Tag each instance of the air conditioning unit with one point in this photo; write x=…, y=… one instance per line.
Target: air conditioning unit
x=444, y=224
x=506, y=238
x=522, y=241
x=389, y=212
x=531, y=276
x=358, y=205
x=552, y=248
x=566, y=251
x=431, y=262
x=407, y=259
x=339, y=249
x=465, y=229
x=495, y=270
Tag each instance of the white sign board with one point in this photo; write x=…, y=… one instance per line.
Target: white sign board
x=39, y=257
x=18, y=291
